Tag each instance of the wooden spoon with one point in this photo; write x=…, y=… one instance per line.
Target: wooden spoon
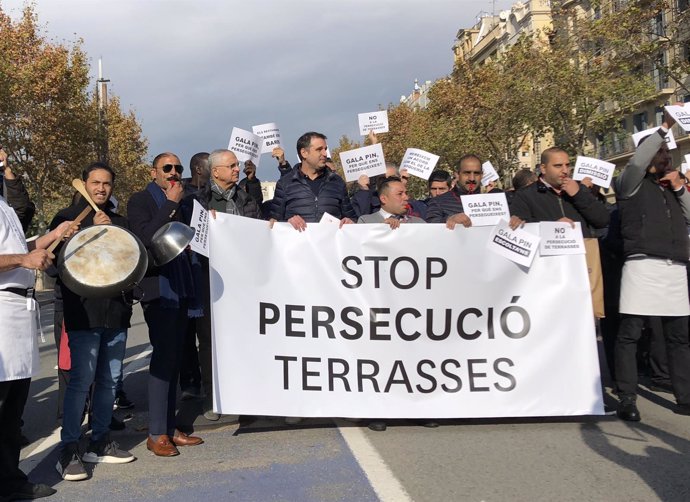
x=79, y=186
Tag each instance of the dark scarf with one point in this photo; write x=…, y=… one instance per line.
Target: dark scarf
x=227, y=196
x=175, y=279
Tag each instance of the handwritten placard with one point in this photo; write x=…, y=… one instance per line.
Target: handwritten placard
x=681, y=115
x=670, y=140
x=489, y=174
x=419, y=163
x=270, y=134
x=366, y=160
x=246, y=145
x=558, y=238
x=373, y=121
x=200, y=225
x=485, y=209
x=516, y=245
x=600, y=171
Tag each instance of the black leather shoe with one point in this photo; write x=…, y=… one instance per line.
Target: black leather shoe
x=627, y=410
x=377, y=425
x=30, y=491
x=682, y=409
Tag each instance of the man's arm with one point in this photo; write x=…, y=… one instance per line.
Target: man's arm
x=142, y=222
x=593, y=211
x=279, y=201
x=434, y=212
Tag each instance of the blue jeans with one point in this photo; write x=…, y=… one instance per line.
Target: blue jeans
x=97, y=356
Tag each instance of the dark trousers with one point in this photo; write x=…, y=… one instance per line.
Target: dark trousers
x=167, y=330
x=675, y=331
x=197, y=366
x=13, y=395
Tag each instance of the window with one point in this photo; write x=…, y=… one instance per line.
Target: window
x=658, y=115
x=658, y=27
x=639, y=122
x=683, y=5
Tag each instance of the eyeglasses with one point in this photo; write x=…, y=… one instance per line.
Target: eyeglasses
x=169, y=167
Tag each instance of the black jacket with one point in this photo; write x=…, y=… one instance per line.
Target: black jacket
x=18, y=199
x=145, y=218
x=253, y=188
x=440, y=208
x=294, y=196
x=652, y=223
x=87, y=313
x=537, y=202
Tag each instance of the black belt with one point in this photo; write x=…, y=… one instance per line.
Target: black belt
x=26, y=292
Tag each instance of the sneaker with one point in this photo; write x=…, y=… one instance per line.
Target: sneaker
x=69, y=464
x=211, y=415
x=121, y=401
x=30, y=491
x=106, y=452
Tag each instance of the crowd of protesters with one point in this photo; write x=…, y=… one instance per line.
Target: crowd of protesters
x=644, y=253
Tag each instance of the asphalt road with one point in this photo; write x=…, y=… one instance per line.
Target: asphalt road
x=586, y=458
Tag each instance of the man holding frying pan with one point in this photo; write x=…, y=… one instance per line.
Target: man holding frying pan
x=169, y=297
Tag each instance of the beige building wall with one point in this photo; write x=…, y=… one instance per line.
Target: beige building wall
x=493, y=35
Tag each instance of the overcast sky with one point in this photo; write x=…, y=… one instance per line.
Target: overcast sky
x=191, y=70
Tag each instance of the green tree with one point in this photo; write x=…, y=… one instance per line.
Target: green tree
x=48, y=116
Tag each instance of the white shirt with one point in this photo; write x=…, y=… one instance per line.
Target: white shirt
x=18, y=341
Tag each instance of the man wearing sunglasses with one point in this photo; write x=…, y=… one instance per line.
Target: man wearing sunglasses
x=169, y=296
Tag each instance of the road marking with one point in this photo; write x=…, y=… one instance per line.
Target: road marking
x=46, y=446
x=382, y=480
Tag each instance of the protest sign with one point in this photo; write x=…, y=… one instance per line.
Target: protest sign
x=600, y=171
x=558, y=238
x=366, y=160
x=246, y=145
x=329, y=218
x=684, y=167
x=270, y=134
x=517, y=245
x=681, y=114
x=418, y=162
x=687, y=160
x=485, y=209
x=373, y=121
x=200, y=225
x=489, y=174
x=363, y=321
x=670, y=140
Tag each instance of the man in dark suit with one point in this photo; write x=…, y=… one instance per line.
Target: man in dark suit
x=168, y=297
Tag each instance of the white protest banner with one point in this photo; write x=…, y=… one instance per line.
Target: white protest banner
x=373, y=121
x=670, y=140
x=363, y=321
x=366, y=160
x=489, y=174
x=600, y=171
x=517, y=245
x=559, y=238
x=681, y=114
x=684, y=167
x=419, y=162
x=200, y=225
x=687, y=160
x=485, y=209
x=329, y=218
x=246, y=145
x=270, y=134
